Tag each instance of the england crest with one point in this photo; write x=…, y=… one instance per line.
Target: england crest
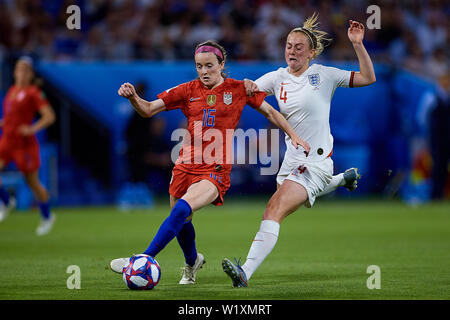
x=227, y=98
x=314, y=79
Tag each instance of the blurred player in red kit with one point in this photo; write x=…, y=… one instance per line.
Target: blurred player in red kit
x=213, y=104
x=18, y=142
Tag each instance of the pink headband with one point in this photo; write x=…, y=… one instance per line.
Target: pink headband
x=211, y=49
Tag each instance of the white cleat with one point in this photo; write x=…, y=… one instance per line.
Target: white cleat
x=5, y=210
x=118, y=264
x=189, y=272
x=45, y=226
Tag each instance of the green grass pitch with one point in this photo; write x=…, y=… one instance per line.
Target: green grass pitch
x=322, y=253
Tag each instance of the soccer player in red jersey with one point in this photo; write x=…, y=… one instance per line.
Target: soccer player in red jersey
x=213, y=104
x=18, y=141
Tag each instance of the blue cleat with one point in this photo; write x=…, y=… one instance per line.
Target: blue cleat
x=351, y=177
x=235, y=272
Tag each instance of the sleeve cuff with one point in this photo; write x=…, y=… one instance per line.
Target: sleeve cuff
x=351, y=79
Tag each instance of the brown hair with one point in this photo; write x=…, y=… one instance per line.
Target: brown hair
x=35, y=80
x=214, y=44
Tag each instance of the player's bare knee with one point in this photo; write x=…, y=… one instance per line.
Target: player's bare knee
x=190, y=201
x=35, y=185
x=274, y=211
x=42, y=195
x=39, y=190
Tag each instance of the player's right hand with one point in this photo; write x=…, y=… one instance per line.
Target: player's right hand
x=305, y=146
x=297, y=141
x=26, y=130
x=127, y=90
x=250, y=87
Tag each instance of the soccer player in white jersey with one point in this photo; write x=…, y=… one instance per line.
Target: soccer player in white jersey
x=304, y=94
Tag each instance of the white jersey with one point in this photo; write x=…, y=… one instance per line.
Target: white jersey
x=305, y=102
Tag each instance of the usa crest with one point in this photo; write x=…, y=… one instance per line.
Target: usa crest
x=227, y=98
x=211, y=100
x=314, y=79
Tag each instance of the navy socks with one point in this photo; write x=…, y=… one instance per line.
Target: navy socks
x=186, y=240
x=44, y=207
x=170, y=227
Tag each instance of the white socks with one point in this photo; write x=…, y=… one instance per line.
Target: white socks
x=262, y=245
x=336, y=181
x=267, y=236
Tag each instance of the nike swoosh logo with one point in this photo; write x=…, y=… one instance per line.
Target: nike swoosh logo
x=284, y=83
x=194, y=99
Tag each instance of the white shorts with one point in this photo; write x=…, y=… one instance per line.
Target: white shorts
x=313, y=176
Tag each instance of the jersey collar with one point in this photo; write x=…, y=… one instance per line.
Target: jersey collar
x=300, y=78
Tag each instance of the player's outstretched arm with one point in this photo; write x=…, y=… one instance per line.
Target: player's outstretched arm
x=146, y=109
x=277, y=119
x=366, y=74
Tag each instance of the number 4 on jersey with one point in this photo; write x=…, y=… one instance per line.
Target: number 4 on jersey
x=283, y=98
x=301, y=169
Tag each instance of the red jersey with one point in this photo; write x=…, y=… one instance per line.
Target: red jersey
x=212, y=117
x=19, y=108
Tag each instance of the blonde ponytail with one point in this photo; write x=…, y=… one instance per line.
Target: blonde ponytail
x=317, y=38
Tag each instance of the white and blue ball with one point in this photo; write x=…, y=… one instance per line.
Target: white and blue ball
x=141, y=273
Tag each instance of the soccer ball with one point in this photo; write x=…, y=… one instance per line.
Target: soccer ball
x=141, y=273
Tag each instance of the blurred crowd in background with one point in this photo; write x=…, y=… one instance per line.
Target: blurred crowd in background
x=414, y=34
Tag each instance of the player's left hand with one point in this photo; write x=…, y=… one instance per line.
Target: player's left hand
x=26, y=130
x=355, y=32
